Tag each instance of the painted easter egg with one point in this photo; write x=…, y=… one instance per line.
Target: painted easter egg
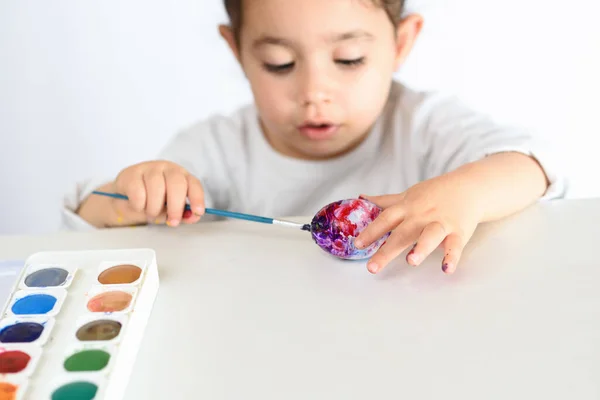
x=336, y=225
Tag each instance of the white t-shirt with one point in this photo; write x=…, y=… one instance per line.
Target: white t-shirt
x=418, y=136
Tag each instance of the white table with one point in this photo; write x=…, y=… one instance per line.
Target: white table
x=249, y=311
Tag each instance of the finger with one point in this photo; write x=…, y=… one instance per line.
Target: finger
x=429, y=240
x=188, y=217
x=384, y=201
x=194, y=211
x=155, y=192
x=195, y=195
x=388, y=220
x=453, y=248
x=399, y=240
x=135, y=189
x=176, y=195
x=160, y=219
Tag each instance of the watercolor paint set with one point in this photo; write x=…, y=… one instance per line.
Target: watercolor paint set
x=73, y=324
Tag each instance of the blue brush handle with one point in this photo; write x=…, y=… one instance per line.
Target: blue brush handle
x=212, y=211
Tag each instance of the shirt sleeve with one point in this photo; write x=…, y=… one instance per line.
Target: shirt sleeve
x=70, y=220
x=455, y=135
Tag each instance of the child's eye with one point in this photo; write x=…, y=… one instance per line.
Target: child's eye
x=351, y=63
x=279, y=68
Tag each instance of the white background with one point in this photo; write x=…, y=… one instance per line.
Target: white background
x=87, y=87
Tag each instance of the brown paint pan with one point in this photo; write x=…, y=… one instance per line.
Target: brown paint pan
x=102, y=329
x=120, y=273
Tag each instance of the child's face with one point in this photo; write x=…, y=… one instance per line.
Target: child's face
x=320, y=70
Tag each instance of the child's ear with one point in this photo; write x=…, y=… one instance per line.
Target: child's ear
x=406, y=35
x=227, y=34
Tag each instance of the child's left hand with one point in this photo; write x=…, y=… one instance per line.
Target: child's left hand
x=440, y=211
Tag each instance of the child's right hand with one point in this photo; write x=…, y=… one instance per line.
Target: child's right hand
x=148, y=185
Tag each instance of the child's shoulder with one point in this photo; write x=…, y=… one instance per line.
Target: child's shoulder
x=223, y=126
x=418, y=112
x=215, y=139
x=421, y=103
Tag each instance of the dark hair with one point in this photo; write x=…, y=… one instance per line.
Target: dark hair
x=393, y=9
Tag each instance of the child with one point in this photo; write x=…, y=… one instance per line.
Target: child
x=329, y=123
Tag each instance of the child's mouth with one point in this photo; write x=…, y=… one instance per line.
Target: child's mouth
x=318, y=131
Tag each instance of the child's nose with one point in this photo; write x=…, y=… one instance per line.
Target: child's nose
x=314, y=89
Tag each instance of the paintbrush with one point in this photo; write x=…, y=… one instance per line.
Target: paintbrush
x=227, y=214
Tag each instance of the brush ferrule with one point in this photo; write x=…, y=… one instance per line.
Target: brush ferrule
x=288, y=224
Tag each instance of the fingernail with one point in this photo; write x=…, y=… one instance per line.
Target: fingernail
x=157, y=221
x=413, y=258
x=172, y=222
x=358, y=244
x=372, y=267
x=200, y=211
x=445, y=267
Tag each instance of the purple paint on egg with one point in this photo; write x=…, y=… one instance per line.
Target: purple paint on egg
x=336, y=225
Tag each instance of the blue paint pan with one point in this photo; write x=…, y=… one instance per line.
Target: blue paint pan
x=43, y=302
x=34, y=304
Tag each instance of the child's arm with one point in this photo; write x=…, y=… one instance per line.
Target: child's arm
x=446, y=210
x=503, y=183
x=473, y=171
